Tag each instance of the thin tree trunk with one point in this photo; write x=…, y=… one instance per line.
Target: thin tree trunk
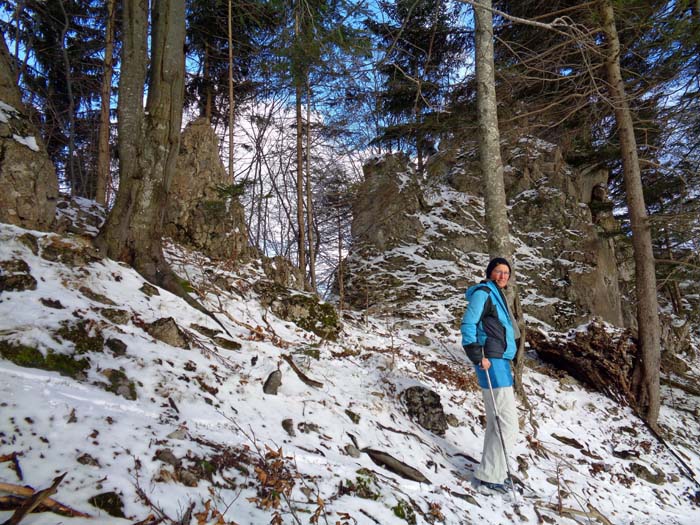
x=231, y=120
x=309, y=200
x=341, y=286
x=492, y=168
x=301, y=242
x=103, y=153
x=70, y=165
x=646, y=374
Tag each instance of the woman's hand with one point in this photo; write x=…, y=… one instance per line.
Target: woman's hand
x=485, y=363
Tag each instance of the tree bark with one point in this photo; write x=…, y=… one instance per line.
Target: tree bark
x=148, y=140
x=103, y=154
x=646, y=376
x=492, y=167
x=309, y=200
x=300, y=155
x=231, y=120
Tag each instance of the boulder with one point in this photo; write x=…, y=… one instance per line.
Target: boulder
x=424, y=406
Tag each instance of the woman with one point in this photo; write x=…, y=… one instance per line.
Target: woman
x=489, y=332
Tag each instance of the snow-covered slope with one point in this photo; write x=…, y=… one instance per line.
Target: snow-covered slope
x=187, y=435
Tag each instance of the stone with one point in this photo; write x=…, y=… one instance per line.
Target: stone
x=166, y=330
x=203, y=211
x=272, y=383
x=110, y=502
x=424, y=407
x=305, y=310
x=288, y=426
x=15, y=276
x=28, y=183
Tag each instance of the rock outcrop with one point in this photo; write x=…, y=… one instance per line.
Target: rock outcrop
x=417, y=243
x=203, y=211
x=28, y=184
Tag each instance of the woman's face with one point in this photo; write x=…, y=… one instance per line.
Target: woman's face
x=500, y=275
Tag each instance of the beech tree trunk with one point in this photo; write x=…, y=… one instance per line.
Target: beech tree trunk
x=148, y=140
x=492, y=166
x=231, y=121
x=103, y=156
x=646, y=376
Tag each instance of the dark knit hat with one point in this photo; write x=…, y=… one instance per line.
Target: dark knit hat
x=495, y=262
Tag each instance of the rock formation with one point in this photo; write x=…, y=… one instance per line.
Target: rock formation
x=28, y=184
x=418, y=240
x=202, y=211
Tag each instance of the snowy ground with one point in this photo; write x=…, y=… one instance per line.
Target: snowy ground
x=201, y=439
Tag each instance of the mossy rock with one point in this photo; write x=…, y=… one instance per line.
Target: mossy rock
x=30, y=241
x=404, y=510
x=304, y=310
x=94, y=296
x=228, y=344
x=15, y=276
x=110, y=502
x=58, y=250
x=29, y=357
x=116, y=315
x=80, y=335
x=120, y=384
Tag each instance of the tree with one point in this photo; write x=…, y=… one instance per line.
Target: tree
x=492, y=164
x=103, y=153
x=422, y=45
x=148, y=139
x=646, y=375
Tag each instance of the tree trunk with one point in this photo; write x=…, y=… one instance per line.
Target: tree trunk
x=492, y=166
x=300, y=157
x=103, y=154
x=77, y=183
x=148, y=140
x=309, y=200
x=231, y=121
x=646, y=376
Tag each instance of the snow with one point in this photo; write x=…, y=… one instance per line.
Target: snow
x=205, y=401
x=28, y=141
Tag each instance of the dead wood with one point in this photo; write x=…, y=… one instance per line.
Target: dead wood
x=601, y=359
x=35, y=499
x=45, y=502
x=14, y=457
x=304, y=378
x=394, y=465
x=572, y=513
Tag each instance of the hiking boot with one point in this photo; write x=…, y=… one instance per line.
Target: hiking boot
x=487, y=488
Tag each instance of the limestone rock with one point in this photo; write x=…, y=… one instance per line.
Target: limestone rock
x=202, y=212
x=28, y=183
x=389, y=195
x=167, y=331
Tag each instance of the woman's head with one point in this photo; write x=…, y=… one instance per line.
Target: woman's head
x=498, y=271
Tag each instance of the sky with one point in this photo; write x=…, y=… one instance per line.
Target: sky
x=200, y=432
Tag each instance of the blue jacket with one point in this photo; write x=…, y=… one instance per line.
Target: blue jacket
x=487, y=325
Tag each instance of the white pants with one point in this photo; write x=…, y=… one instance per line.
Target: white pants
x=493, y=463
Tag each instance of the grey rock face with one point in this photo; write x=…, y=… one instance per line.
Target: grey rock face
x=566, y=263
x=201, y=212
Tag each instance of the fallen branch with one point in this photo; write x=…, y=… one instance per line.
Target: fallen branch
x=51, y=504
x=15, y=463
x=35, y=499
x=304, y=378
x=566, y=511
